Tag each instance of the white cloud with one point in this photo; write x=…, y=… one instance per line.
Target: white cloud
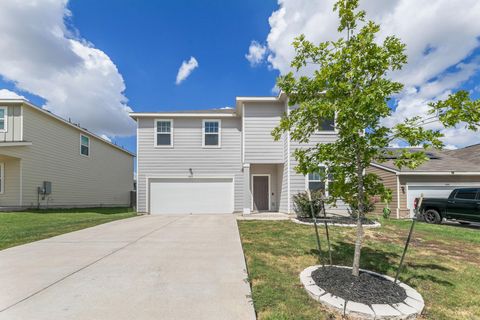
x=256, y=53
x=40, y=55
x=7, y=94
x=186, y=69
x=439, y=34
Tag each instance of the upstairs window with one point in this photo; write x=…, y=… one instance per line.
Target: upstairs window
x=163, y=133
x=211, y=133
x=3, y=119
x=84, y=145
x=327, y=125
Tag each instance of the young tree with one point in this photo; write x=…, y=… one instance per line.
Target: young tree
x=351, y=83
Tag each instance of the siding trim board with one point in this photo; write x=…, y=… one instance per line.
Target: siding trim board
x=2, y=177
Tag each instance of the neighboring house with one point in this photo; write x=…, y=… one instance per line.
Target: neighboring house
x=46, y=161
x=435, y=178
x=220, y=161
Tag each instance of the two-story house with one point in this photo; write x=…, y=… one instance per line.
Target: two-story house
x=46, y=161
x=221, y=160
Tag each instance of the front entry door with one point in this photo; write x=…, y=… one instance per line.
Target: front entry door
x=260, y=193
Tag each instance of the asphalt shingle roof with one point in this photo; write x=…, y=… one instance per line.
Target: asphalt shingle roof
x=470, y=153
x=440, y=161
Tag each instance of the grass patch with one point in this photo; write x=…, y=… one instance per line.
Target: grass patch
x=22, y=227
x=442, y=264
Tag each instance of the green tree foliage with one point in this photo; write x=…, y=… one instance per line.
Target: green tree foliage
x=351, y=83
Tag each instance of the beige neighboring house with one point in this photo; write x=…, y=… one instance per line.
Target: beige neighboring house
x=46, y=161
x=436, y=178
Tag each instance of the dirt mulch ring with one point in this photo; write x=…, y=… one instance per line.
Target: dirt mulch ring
x=338, y=220
x=366, y=288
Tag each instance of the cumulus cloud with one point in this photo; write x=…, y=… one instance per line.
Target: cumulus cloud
x=440, y=35
x=7, y=94
x=44, y=57
x=256, y=53
x=186, y=69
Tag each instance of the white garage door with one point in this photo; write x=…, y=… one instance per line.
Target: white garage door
x=428, y=192
x=191, y=195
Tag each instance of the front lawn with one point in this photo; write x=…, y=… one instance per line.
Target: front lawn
x=22, y=227
x=442, y=264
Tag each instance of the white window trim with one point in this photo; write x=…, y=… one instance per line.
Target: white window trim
x=155, y=128
x=269, y=191
x=89, y=150
x=2, y=177
x=327, y=181
x=5, y=113
x=219, y=133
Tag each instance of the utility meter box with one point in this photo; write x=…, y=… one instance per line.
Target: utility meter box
x=47, y=187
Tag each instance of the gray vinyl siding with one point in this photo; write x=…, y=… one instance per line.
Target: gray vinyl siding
x=14, y=124
x=187, y=152
x=284, y=188
x=105, y=178
x=298, y=182
x=10, y=197
x=259, y=121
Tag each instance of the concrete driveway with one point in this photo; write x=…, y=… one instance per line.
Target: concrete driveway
x=151, y=267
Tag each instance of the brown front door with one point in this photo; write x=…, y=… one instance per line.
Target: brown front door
x=260, y=193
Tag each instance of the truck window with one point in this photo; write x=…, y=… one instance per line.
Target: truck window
x=466, y=194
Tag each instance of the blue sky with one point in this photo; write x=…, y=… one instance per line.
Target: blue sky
x=93, y=61
x=148, y=40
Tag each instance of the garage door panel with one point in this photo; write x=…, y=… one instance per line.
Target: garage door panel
x=195, y=195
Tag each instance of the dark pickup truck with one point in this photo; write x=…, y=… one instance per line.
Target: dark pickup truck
x=463, y=205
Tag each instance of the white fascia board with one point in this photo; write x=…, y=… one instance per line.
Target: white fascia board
x=383, y=167
x=136, y=115
x=427, y=173
x=255, y=99
x=439, y=173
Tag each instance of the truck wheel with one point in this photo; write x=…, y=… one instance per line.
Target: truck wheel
x=432, y=216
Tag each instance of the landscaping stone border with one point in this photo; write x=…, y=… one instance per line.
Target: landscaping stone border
x=375, y=225
x=410, y=308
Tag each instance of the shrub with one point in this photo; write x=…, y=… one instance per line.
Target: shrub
x=301, y=204
x=386, y=212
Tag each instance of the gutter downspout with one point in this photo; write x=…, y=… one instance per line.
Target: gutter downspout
x=398, y=196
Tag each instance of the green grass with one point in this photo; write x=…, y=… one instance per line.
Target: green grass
x=22, y=227
x=442, y=264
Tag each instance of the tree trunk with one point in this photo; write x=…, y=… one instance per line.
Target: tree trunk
x=360, y=212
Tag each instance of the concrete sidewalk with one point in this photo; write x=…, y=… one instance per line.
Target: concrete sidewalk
x=151, y=267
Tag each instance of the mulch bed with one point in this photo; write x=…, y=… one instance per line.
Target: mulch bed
x=366, y=288
x=338, y=220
